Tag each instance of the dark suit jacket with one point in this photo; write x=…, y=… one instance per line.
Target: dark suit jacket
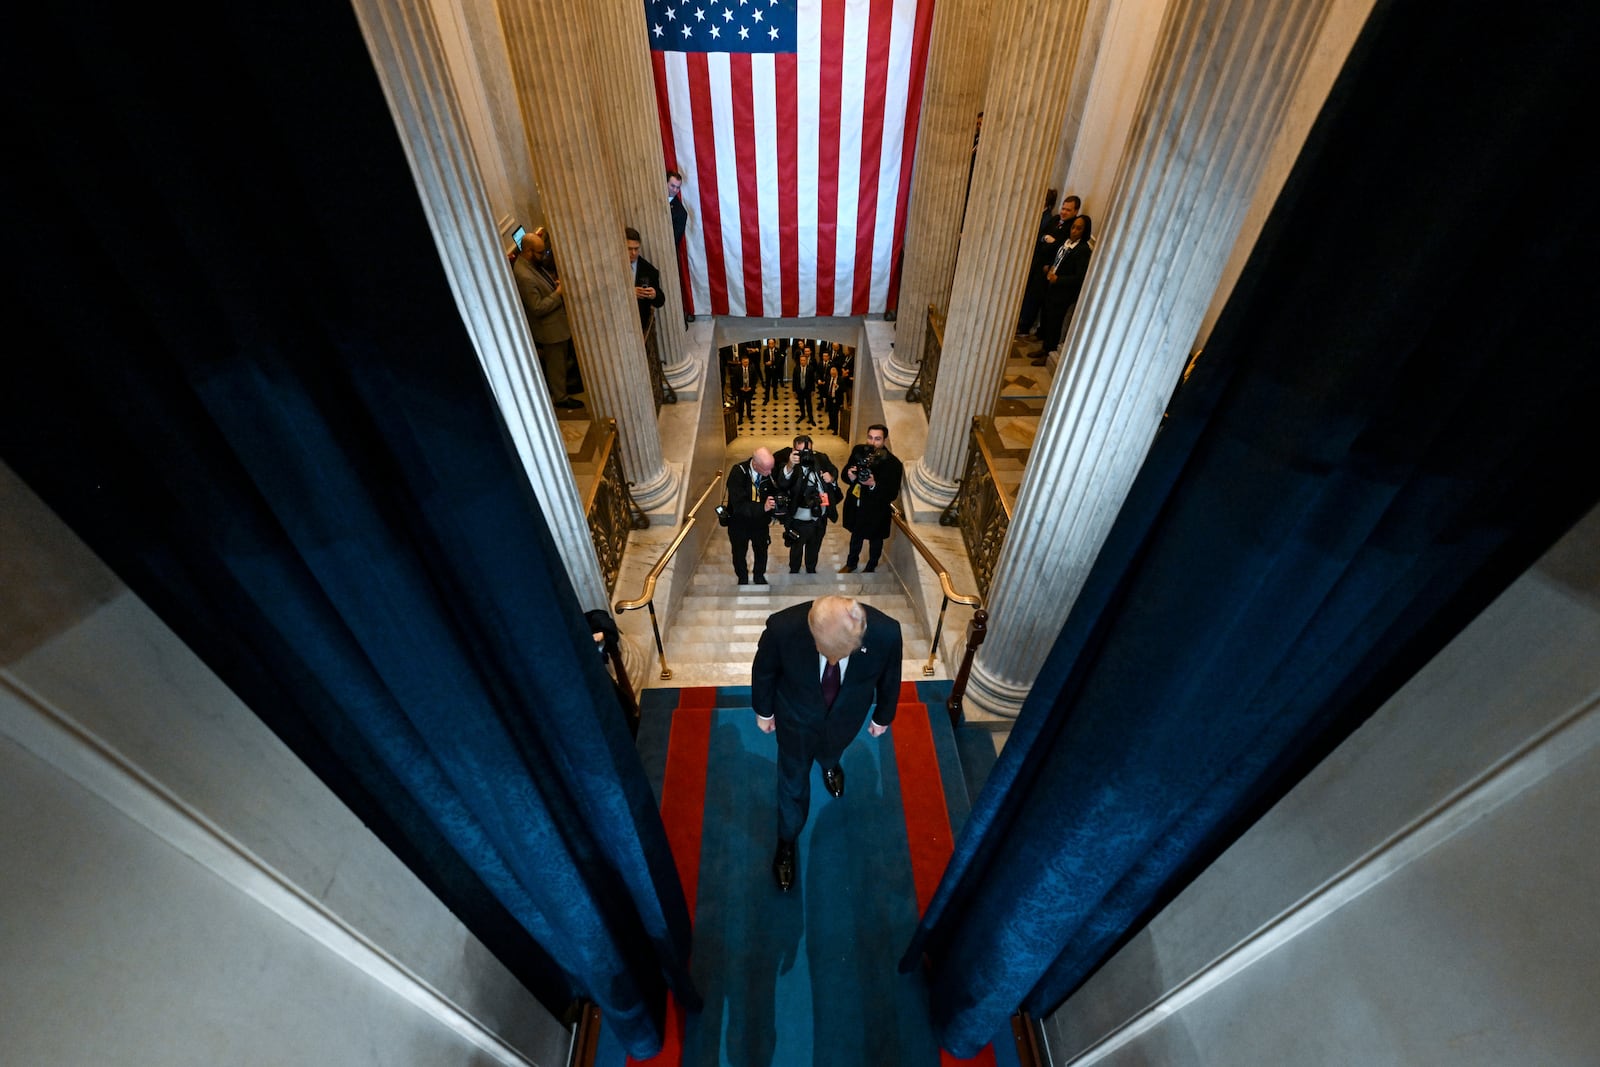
x=646, y=274
x=680, y=219
x=785, y=680
x=811, y=379
x=746, y=510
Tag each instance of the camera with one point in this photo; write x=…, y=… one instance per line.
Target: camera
x=722, y=514
x=806, y=460
x=863, y=458
x=790, y=537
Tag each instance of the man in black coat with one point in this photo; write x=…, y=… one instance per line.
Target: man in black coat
x=804, y=383
x=871, y=484
x=752, y=498
x=809, y=483
x=773, y=358
x=646, y=282
x=819, y=667
x=680, y=223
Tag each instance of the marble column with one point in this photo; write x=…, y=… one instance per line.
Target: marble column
x=625, y=98
x=1035, y=44
x=410, y=63
x=571, y=164
x=1225, y=71
x=951, y=99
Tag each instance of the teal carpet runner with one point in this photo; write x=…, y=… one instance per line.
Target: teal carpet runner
x=806, y=977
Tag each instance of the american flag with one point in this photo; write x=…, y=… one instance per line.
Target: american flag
x=794, y=123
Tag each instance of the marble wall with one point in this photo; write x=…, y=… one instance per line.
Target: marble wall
x=177, y=887
x=1428, y=895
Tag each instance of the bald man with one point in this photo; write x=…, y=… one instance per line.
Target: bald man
x=818, y=669
x=752, y=499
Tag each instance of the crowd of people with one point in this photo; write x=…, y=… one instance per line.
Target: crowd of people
x=818, y=375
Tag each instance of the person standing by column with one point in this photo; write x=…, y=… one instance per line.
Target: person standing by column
x=819, y=668
x=539, y=286
x=833, y=391
x=752, y=499
x=871, y=483
x=646, y=281
x=745, y=379
x=680, y=223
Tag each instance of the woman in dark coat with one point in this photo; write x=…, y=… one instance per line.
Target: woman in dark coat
x=1063, y=281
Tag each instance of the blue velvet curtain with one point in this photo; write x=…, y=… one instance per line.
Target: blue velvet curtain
x=1394, y=417
x=237, y=371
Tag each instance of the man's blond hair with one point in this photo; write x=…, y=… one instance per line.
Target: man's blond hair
x=838, y=624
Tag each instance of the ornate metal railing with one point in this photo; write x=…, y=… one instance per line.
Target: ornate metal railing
x=921, y=388
x=982, y=508
x=608, y=505
x=647, y=595
x=660, y=388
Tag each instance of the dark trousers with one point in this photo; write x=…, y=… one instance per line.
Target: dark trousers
x=769, y=384
x=808, y=546
x=806, y=400
x=744, y=539
x=874, y=553
x=744, y=404
x=833, y=418
x=797, y=750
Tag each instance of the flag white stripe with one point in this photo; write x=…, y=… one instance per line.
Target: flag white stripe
x=763, y=77
x=894, y=126
x=852, y=92
x=721, y=85
x=809, y=40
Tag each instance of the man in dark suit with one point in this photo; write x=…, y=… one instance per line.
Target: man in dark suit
x=745, y=379
x=646, y=282
x=834, y=392
x=1052, y=232
x=751, y=502
x=680, y=223
x=871, y=483
x=772, y=363
x=804, y=383
x=819, y=667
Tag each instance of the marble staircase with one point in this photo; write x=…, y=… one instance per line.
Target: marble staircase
x=714, y=631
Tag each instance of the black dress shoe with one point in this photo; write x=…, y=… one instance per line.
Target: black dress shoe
x=833, y=778
x=869, y=568
x=783, y=864
x=761, y=579
x=743, y=580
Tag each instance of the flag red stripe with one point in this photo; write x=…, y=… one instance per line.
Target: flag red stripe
x=919, y=68
x=788, y=96
x=705, y=156
x=683, y=805
x=744, y=140
x=829, y=102
x=880, y=27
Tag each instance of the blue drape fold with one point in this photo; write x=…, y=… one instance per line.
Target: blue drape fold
x=1388, y=424
x=254, y=398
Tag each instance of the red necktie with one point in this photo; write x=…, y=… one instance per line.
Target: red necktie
x=830, y=684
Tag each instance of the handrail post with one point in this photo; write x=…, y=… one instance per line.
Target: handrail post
x=977, y=630
x=661, y=652
x=938, y=629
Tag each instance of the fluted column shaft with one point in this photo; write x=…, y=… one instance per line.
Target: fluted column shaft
x=625, y=94
x=1224, y=73
x=549, y=62
x=951, y=98
x=1035, y=45
x=410, y=63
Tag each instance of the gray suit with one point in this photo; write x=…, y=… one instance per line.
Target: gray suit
x=547, y=321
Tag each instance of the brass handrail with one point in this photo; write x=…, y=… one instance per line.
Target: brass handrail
x=971, y=600
x=647, y=595
x=606, y=446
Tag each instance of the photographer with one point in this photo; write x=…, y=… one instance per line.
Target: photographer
x=808, y=480
x=871, y=484
x=752, y=502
